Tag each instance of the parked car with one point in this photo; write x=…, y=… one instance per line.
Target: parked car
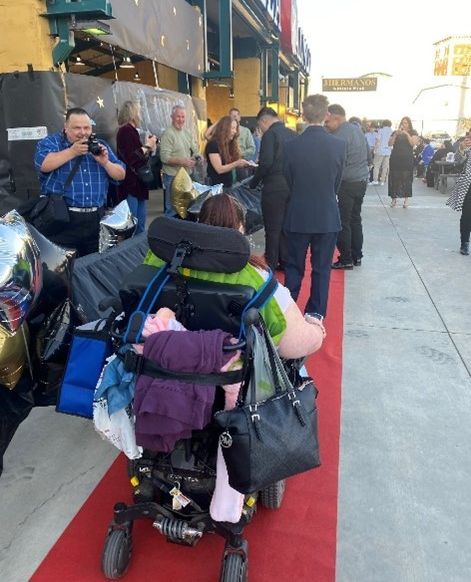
x=437, y=138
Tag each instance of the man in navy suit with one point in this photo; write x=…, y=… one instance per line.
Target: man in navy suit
x=313, y=167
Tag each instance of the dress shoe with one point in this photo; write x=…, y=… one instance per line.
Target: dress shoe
x=340, y=265
x=357, y=262
x=464, y=249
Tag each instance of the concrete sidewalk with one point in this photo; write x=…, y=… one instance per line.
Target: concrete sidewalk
x=405, y=466
x=405, y=460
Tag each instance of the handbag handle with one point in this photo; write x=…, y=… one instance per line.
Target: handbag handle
x=282, y=383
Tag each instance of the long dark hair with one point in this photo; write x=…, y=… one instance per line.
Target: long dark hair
x=228, y=148
x=409, y=121
x=224, y=210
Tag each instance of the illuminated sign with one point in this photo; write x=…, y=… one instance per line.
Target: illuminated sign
x=461, y=64
x=354, y=84
x=452, y=57
x=273, y=9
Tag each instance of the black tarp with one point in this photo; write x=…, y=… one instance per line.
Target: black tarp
x=40, y=99
x=98, y=276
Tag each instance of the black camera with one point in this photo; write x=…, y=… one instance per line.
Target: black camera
x=94, y=146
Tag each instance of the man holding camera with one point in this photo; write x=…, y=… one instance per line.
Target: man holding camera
x=78, y=167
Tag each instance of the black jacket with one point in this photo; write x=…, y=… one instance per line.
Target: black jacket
x=313, y=167
x=270, y=161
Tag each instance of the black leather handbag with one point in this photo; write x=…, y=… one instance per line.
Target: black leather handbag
x=145, y=174
x=50, y=214
x=264, y=442
x=149, y=172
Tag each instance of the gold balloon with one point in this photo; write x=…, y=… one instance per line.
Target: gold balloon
x=12, y=356
x=182, y=192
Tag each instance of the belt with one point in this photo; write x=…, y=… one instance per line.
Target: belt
x=89, y=209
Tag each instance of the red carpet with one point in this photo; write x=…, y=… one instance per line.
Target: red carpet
x=296, y=542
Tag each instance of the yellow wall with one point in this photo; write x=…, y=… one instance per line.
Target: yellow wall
x=24, y=36
x=247, y=86
x=218, y=102
x=168, y=78
x=246, y=91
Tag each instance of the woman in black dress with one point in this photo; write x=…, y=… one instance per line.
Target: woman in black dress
x=223, y=154
x=401, y=163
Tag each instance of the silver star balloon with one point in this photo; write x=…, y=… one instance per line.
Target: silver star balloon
x=20, y=271
x=117, y=225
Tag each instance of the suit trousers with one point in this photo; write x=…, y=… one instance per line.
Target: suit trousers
x=81, y=233
x=350, y=238
x=274, y=206
x=322, y=250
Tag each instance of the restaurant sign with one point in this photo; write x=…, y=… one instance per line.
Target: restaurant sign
x=272, y=7
x=353, y=84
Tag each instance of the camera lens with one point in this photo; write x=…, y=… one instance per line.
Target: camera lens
x=94, y=145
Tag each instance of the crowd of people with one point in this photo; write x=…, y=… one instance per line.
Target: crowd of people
x=311, y=192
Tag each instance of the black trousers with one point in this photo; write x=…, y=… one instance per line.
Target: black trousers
x=322, y=249
x=350, y=239
x=81, y=233
x=274, y=206
x=465, y=220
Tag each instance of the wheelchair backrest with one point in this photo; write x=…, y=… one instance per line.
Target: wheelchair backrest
x=207, y=305
x=198, y=304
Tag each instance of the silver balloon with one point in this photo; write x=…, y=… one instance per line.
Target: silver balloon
x=117, y=225
x=20, y=271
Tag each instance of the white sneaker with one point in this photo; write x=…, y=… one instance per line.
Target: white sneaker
x=381, y=183
x=374, y=183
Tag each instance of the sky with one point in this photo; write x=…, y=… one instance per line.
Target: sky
x=350, y=38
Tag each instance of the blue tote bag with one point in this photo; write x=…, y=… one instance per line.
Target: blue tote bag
x=87, y=355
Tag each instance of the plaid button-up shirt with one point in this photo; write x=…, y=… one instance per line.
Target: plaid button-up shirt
x=89, y=186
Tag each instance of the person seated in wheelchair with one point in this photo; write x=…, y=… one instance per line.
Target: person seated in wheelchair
x=204, y=273
x=294, y=336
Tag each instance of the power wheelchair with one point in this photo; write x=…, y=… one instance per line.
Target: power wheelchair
x=190, y=468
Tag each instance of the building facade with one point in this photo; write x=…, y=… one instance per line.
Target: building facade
x=210, y=55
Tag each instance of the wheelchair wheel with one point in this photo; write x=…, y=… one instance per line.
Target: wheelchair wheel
x=272, y=496
x=234, y=569
x=116, y=553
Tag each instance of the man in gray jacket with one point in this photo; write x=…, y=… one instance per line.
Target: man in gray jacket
x=352, y=188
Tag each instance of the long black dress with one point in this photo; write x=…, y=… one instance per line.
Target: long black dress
x=401, y=168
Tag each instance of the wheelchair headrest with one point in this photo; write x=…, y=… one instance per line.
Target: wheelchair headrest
x=212, y=248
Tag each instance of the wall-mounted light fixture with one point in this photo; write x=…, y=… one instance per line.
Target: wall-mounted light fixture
x=95, y=27
x=126, y=63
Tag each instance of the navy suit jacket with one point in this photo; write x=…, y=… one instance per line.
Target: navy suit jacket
x=313, y=166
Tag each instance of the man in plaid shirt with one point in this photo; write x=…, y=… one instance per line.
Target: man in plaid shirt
x=85, y=196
